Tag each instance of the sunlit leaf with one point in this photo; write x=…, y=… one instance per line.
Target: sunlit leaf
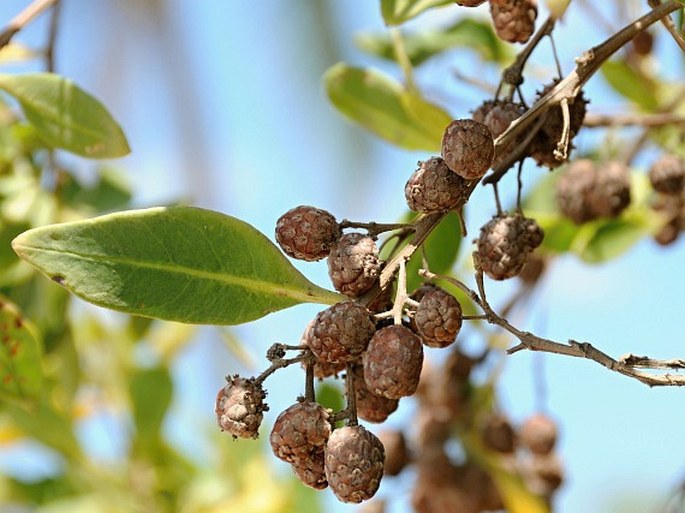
x=381, y=105
x=557, y=8
x=175, y=263
x=636, y=87
x=396, y=12
x=470, y=33
x=65, y=116
x=21, y=374
x=612, y=238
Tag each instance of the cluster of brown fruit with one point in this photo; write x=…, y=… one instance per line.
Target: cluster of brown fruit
x=449, y=413
x=667, y=176
x=380, y=350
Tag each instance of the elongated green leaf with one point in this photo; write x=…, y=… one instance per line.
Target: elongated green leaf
x=176, y=263
x=557, y=8
x=65, y=115
x=629, y=83
x=381, y=105
x=151, y=392
x=611, y=238
x=21, y=376
x=396, y=12
x=474, y=34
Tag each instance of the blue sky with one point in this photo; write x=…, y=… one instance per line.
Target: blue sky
x=257, y=136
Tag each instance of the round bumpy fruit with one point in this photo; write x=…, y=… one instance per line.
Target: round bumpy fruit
x=573, y=191
x=667, y=174
x=392, y=362
x=539, y=434
x=611, y=194
x=505, y=243
x=370, y=407
x=514, y=20
x=438, y=318
x=299, y=431
x=353, y=264
x=468, y=148
x=498, y=434
x=396, y=451
x=341, y=332
x=434, y=187
x=469, y=3
x=240, y=407
x=354, y=463
x=307, y=233
x=311, y=472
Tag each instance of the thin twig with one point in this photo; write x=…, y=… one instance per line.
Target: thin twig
x=52, y=37
x=646, y=120
x=22, y=19
x=670, y=26
x=374, y=229
x=626, y=365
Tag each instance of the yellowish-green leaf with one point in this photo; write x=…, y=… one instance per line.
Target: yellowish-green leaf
x=180, y=264
x=396, y=12
x=66, y=116
x=21, y=375
x=383, y=106
x=557, y=8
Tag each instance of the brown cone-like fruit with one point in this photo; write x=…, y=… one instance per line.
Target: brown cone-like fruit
x=539, y=434
x=611, y=193
x=307, y=233
x=299, y=431
x=354, y=463
x=392, y=362
x=353, y=264
x=370, y=407
x=438, y=318
x=311, y=472
x=396, y=451
x=434, y=187
x=574, y=189
x=468, y=148
x=504, y=244
x=498, y=434
x=341, y=332
x=667, y=174
x=240, y=407
x=514, y=20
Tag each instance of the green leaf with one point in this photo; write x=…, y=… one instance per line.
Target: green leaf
x=21, y=375
x=629, y=83
x=381, y=105
x=151, y=392
x=110, y=192
x=47, y=425
x=396, y=12
x=440, y=250
x=175, y=263
x=474, y=34
x=610, y=239
x=66, y=116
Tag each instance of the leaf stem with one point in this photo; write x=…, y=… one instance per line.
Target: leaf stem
x=403, y=60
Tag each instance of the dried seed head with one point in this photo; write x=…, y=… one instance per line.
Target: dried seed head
x=311, y=471
x=544, y=474
x=438, y=318
x=299, y=431
x=504, y=244
x=240, y=407
x=370, y=407
x=514, y=20
x=353, y=264
x=539, y=434
x=434, y=187
x=611, y=193
x=354, y=463
x=574, y=189
x=322, y=369
x=341, y=332
x=468, y=148
x=396, y=452
x=307, y=233
x=498, y=434
x=667, y=174
x=545, y=141
x=392, y=362
x=533, y=269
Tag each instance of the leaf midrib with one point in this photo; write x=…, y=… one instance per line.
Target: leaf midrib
x=248, y=283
